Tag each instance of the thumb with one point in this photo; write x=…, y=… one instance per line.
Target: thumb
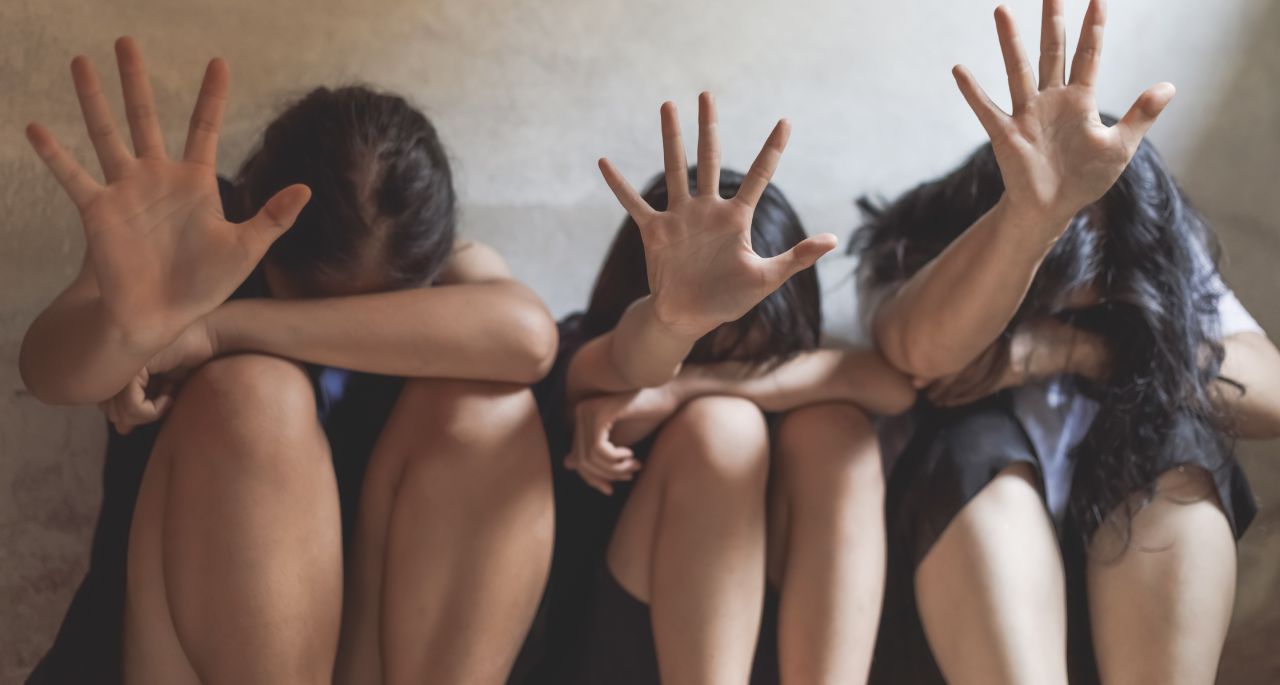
x=800, y=257
x=277, y=216
x=1143, y=114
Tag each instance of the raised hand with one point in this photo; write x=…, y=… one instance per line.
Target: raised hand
x=702, y=269
x=161, y=251
x=1055, y=153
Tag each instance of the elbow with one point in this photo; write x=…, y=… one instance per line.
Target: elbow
x=646, y=380
x=913, y=355
x=901, y=398
x=895, y=393
x=536, y=344
x=44, y=386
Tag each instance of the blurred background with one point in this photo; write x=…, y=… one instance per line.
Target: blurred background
x=528, y=94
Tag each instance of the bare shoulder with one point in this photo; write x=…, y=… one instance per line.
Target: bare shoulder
x=473, y=262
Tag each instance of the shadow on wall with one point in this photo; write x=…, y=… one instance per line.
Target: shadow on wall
x=1233, y=179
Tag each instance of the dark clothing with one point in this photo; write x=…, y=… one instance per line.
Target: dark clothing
x=950, y=457
x=595, y=632
x=352, y=407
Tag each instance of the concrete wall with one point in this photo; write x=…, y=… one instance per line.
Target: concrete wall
x=528, y=94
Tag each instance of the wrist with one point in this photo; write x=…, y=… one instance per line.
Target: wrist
x=137, y=338
x=1091, y=358
x=672, y=327
x=1039, y=225
x=224, y=327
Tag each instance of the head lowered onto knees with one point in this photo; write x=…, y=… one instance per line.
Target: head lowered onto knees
x=1139, y=267
x=382, y=214
x=784, y=323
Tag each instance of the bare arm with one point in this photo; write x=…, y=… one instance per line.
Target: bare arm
x=945, y=315
x=701, y=268
x=605, y=425
x=859, y=377
x=1253, y=362
x=159, y=254
x=1047, y=348
x=477, y=324
x=1056, y=157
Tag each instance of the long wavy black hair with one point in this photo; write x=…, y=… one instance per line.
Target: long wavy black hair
x=1153, y=262
x=783, y=324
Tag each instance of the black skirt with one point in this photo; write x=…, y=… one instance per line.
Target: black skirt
x=950, y=457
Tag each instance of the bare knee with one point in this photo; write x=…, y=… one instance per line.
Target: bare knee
x=832, y=442
x=722, y=439
x=465, y=412
x=245, y=407
x=1013, y=492
x=1183, y=510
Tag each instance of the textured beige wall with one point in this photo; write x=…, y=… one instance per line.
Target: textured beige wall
x=527, y=94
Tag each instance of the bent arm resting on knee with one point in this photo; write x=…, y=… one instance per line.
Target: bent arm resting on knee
x=860, y=377
x=76, y=353
x=640, y=352
x=477, y=324
x=949, y=312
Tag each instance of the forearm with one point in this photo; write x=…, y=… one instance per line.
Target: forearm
x=640, y=352
x=495, y=331
x=1253, y=362
x=946, y=314
x=860, y=377
x=74, y=354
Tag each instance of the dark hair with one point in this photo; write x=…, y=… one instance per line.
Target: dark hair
x=381, y=189
x=1152, y=260
x=784, y=323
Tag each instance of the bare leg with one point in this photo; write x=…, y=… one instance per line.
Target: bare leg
x=991, y=591
x=235, y=556
x=827, y=543
x=454, y=540
x=1160, y=609
x=690, y=541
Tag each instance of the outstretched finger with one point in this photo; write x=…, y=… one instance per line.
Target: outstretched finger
x=761, y=171
x=1084, y=66
x=275, y=217
x=80, y=186
x=1022, y=83
x=1133, y=126
x=800, y=257
x=627, y=196
x=112, y=153
x=673, y=155
x=989, y=115
x=1053, y=44
x=708, y=147
x=139, y=103
x=206, y=117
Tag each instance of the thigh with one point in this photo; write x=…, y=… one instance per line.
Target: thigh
x=1161, y=583
x=239, y=476
x=946, y=474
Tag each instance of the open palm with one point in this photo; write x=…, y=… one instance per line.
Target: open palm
x=161, y=251
x=1055, y=153
x=702, y=269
